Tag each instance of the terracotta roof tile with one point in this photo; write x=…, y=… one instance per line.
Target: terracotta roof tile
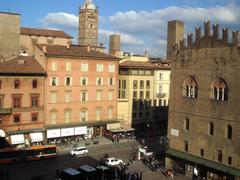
x=74, y=51
x=44, y=32
x=137, y=64
x=145, y=65
x=26, y=65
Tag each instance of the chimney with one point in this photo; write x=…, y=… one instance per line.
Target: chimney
x=216, y=32
x=88, y=48
x=146, y=54
x=235, y=38
x=189, y=39
x=68, y=45
x=225, y=35
x=197, y=34
x=44, y=49
x=207, y=28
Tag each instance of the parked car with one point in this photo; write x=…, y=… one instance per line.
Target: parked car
x=79, y=151
x=144, y=151
x=111, y=161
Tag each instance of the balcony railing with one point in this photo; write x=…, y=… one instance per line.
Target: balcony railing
x=5, y=111
x=161, y=95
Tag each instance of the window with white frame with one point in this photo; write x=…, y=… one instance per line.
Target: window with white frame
x=54, y=66
x=53, y=116
x=53, y=81
x=110, y=113
x=53, y=97
x=84, y=67
x=111, y=68
x=84, y=115
x=98, y=114
x=99, y=95
x=68, y=66
x=111, y=81
x=84, y=96
x=68, y=81
x=99, y=67
x=67, y=115
x=84, y=81
x=68, y=96
x=99, y=81
x=110, y=95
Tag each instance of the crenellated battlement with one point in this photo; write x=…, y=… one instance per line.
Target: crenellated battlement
x=208, y=39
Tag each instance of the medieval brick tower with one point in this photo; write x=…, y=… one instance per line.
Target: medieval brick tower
x=114, y=44
x=175, y=34
x=88, y=24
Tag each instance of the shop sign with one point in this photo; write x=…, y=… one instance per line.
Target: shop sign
x=175, y=132
x=36, y=137
x=113, y=126
x=53, y=133
x=2, y=133
x=17, y=139
x=67, y=132
x=80, y=130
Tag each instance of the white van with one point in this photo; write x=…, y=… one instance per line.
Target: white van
x=79, y=151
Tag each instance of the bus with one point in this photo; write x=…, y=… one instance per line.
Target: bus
x=12, y=155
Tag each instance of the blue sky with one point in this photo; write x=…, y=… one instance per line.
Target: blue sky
x=141, y=23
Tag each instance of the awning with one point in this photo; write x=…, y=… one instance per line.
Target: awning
x=53, y=133
x=36, y=137
x=113, y=126
x=2, y=133
x=80, y=130
x=67, y=132
x=17, y=139
x=204, y=162
x=119, y=130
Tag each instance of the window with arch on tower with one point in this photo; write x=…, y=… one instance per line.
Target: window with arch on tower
x=190, y=88
x=219, y=90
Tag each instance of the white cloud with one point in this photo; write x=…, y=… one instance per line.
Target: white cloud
x=152, y=25
x=147, y=30
x=60, y=20
x=125, y=38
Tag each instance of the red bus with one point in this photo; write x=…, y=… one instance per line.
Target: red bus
x=10, y=155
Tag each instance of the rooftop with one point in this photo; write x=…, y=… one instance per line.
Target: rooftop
x=44, y=32
x=21, y=65
x=74, y=51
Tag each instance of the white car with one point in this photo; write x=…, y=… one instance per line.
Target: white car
x=144, y=151
x=79, y=151
x=113, y=161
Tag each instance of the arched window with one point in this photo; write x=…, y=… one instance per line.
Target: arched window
x=219, y=90
x=229, y=131
x=16, y=83
x=67, y=115
x=210, y=129
x=190, y=88
x=53, y=116
x=219, y=155
x=34, y=83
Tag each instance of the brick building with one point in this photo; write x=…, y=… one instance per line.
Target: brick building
x=203, y=128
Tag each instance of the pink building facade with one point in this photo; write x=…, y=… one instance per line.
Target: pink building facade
x=81, y=91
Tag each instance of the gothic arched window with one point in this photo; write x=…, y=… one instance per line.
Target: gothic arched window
x=219, y=90
x=190, y=88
